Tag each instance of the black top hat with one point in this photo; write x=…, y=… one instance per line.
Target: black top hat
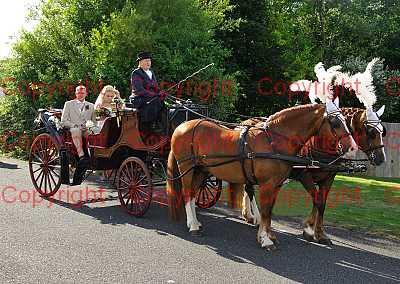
x=143, y=55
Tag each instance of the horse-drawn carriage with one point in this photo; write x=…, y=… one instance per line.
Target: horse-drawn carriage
x=136, y=157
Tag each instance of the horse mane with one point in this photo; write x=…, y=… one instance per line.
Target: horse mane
x=291, y=112
x=351, y=112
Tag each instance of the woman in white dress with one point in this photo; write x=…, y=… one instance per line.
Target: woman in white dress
x=104, y=108
x=103, y=104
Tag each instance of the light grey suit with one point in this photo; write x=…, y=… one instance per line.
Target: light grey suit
x=74, y=116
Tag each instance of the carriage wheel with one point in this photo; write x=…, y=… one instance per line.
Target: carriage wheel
x=134, y=186
x=107, y=174
x=209, y=192
x=45, y=165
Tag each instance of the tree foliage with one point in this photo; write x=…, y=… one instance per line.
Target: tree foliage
x=256, y=46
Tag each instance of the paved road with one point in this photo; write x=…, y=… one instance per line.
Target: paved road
x=61, y=242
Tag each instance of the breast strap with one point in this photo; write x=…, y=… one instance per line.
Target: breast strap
x=244, y=150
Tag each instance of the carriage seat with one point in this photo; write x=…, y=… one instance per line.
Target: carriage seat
x=54, y=111
x=108, y=135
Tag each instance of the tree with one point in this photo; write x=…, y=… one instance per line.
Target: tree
x=245, y=27
x=180, y=45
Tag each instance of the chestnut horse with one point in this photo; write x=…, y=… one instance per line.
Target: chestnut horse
x=238, y=159
x=368, y=132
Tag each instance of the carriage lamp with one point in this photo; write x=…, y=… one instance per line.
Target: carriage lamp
x=116, y=106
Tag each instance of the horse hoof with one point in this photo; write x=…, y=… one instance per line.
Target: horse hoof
x=271, y=247
x=308, y=237
x=275, y=241
x=325, y=241
x=196, y=233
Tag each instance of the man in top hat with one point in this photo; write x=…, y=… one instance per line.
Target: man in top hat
x=146, y=95
x=75, y=115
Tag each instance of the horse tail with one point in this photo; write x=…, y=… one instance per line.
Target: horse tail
x=174, y=189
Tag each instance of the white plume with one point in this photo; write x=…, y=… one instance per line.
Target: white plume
x=300, y=86
x=363, y=85
x=322, y=88
x=305, y=86
x=326, y=75
x=343, y=79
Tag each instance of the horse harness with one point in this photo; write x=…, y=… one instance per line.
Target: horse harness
x=246, y=153
x=368, y=126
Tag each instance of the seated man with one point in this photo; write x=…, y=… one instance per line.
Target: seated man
x=75, y=115
x=146, y=95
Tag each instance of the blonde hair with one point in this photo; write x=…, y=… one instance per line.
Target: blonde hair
x=103, y=91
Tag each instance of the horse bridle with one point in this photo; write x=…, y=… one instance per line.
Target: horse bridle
x=373, y=124
x=337, y=114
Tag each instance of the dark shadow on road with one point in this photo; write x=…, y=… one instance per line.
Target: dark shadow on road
x=8, y=166
x=228, y=237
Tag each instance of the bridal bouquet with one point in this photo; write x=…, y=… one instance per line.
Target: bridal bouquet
x=90, y=126
x=103, y=112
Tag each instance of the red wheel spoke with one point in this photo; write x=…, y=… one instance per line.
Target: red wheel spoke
x=136, y=170
x=204, y=199
x=210, y=193
x=141, y=179
x=54, y=172
x=52, y=161
x=125, y=181
x=50, y=186
x=128, y=171
x=141, y=191
x=132, y=203
x=51, y=176
x=54, y=153
x=41, y=180
x=45, y=182
x=44, y=165
x=125, y=195
x=126, y=174
x=41, y=173
x=126, y=202
x=40, y=149
x=38, y=158
x=45, y=151
x=35, y=171
x=54, y=167
x=134, y=186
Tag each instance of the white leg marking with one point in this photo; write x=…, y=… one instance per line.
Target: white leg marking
x=246, y=211
x=257, y=216
x=309, y=231
x=193, y=208
x=189, y=216
x=265, y=241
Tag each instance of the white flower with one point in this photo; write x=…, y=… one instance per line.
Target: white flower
x=89, y=124
x=58, y=124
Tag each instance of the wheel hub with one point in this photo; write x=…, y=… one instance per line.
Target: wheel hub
x=132, y=188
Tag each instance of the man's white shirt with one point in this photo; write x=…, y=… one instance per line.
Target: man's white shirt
x=149, y=73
